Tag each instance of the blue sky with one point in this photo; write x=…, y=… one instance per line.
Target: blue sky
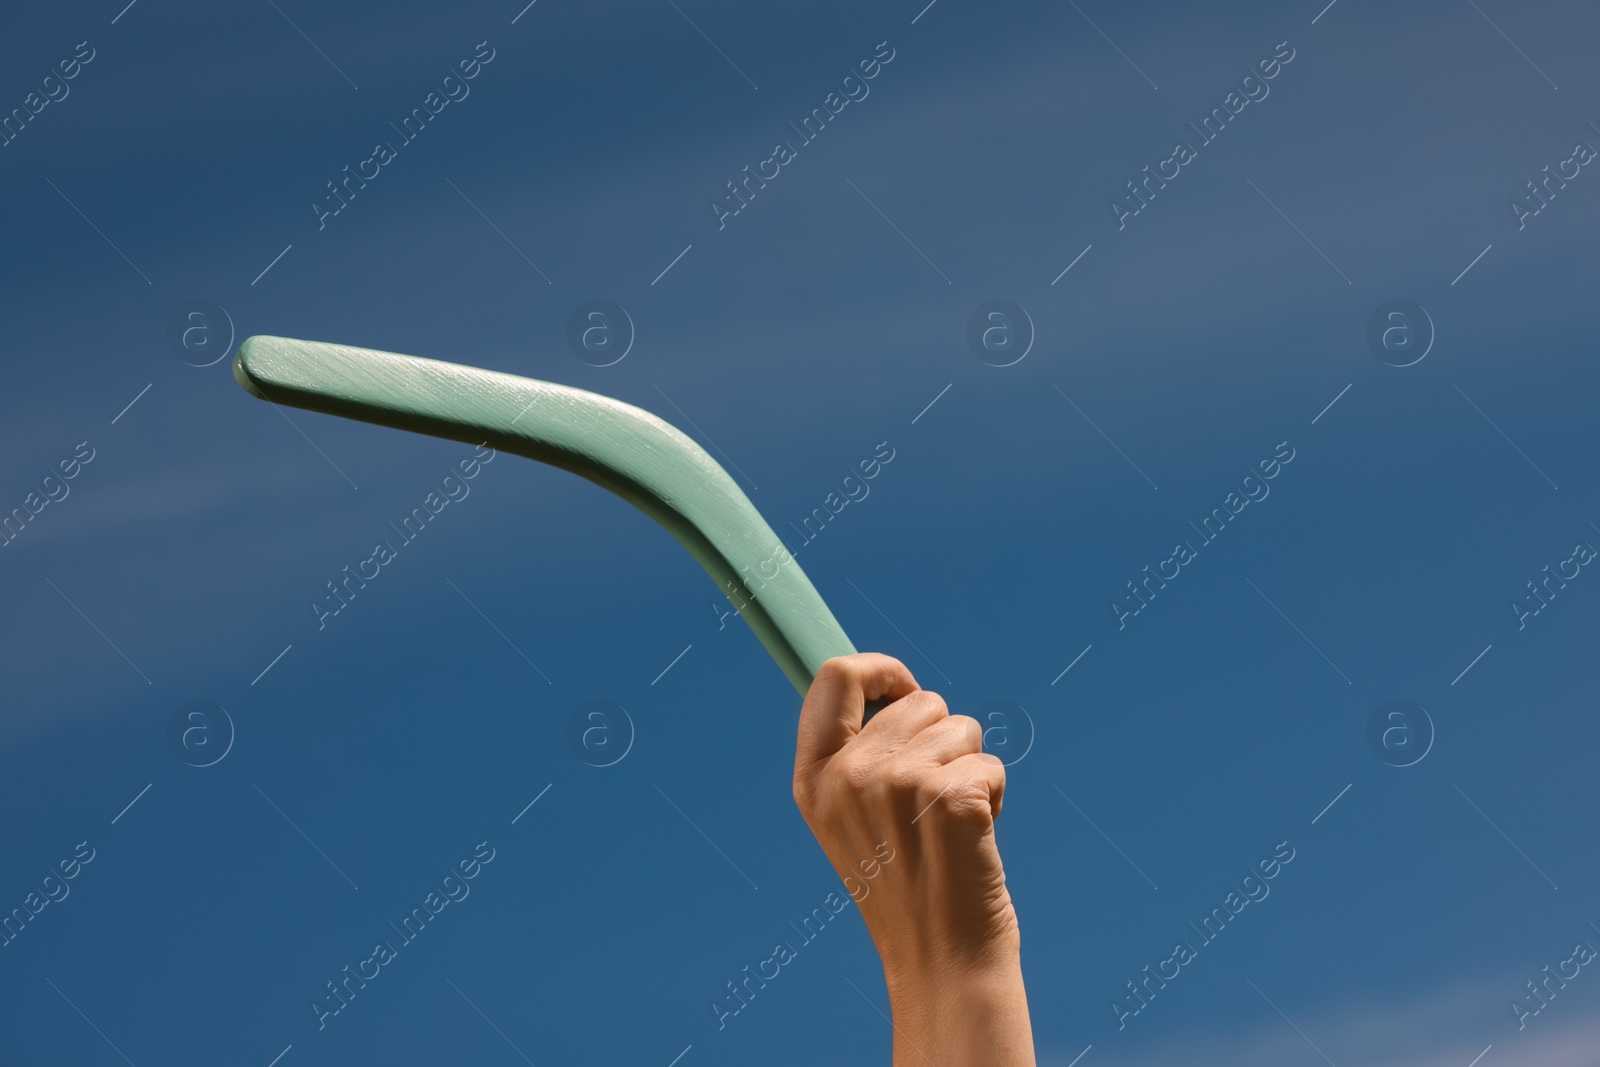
x=1228, y=317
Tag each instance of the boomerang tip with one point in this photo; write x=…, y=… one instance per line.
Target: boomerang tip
x=242, y=360
x=283, y=365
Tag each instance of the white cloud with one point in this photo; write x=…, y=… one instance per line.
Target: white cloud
x=1447, y=1028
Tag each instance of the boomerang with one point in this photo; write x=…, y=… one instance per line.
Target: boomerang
x=643, y=459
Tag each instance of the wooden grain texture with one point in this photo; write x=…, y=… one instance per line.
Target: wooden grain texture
x=640, y=457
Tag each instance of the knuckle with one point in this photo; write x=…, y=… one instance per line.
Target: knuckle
x=908, y=779
x=855, y=775
x=838, y=767
x=967, y=801
x=860, y=775
x=971, y=809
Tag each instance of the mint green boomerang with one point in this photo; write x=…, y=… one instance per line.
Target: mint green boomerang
x=646, y=461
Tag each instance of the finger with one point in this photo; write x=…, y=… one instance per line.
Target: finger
x=906, y=718
x=831, y=713
x=948, y=739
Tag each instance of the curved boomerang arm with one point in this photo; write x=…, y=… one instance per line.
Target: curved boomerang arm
x=643, y=459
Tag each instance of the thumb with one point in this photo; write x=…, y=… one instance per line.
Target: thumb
x=837, y=700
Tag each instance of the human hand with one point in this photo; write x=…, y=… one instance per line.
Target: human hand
x=916, y=778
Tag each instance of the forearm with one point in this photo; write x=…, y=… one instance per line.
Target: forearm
x=961, y=1016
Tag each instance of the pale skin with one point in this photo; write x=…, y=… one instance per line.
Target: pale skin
x=917, y=778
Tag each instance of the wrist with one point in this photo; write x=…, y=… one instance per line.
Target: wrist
x=932, y=979
x=968, y=1011
x=976, y=952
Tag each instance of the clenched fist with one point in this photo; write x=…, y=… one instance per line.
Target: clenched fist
x=917, y=778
